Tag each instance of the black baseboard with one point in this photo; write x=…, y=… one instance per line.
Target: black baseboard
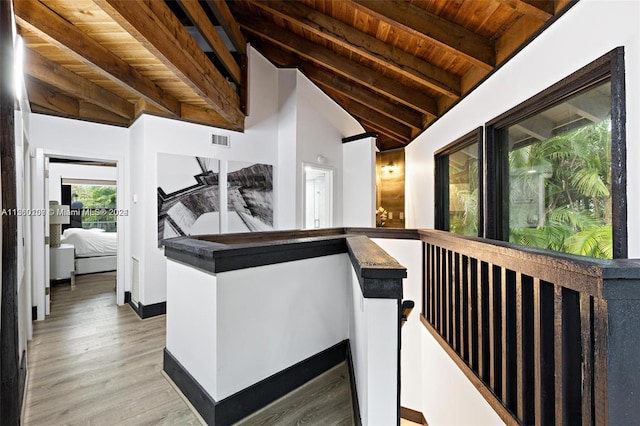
x=413, y=416
x=253, y=398
x=34, y=313
x=355, y=404
x=145, y=311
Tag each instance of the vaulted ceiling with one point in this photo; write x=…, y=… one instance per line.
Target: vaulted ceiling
x=396, y=66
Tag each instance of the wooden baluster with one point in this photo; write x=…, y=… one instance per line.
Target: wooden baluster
x=600, y=329
x=586, y=324
x=492, y=329
x=558, y=339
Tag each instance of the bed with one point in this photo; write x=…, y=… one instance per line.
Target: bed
x=95, y=250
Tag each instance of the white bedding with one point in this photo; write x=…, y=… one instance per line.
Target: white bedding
x=91, y=242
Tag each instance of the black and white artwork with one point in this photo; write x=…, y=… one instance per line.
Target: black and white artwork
x=188, y=196
x=249, y=197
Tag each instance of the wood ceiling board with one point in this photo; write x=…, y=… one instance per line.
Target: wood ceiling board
x=72, y=84
x=424, y=24
x=326, y=58
x=391, y=125
x=159, y=31
x=56, y=30
x=364, y=96
x=78, y=11
x=364, y=45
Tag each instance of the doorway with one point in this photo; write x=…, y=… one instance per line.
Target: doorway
x=318, y=196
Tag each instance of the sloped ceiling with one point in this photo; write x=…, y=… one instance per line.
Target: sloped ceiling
x=395, y=65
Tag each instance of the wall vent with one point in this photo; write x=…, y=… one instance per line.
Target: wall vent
x=220, y=140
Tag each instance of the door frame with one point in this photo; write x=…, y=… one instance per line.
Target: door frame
x=122, y=222
x=331, y=171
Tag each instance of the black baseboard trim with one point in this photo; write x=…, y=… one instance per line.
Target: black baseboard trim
x=34, y=313
x=355, y=404
x=153, y=310
x=145, y=311
x=413, y=416
x=253, y=398
x=191, y=389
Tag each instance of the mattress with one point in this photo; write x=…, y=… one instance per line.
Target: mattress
x=91, y=242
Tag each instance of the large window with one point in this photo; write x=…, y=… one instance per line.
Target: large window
x=93, y=205
x=556, y=166
x=458, y=185
x=560, y=176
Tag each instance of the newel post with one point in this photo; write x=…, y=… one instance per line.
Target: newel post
x=621, y=291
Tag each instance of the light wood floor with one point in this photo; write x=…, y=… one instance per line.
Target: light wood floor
x=93, y=362
x=325, y=400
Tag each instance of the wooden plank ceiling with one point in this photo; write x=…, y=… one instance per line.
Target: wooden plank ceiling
x=396, y=66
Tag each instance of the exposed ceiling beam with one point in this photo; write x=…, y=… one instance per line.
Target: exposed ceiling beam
x=228, y=23
x=200, y=114
x=541, y=9
x=365, y=45
x=45, y=96
x=92, y=112
x=341, y=65
x=154, y=26
x=199, y=17
x=359, y=94
x=46, y=99
x=55, y=75
x=379, y=129
x=391, y=127
x=355, y=92
x=49, y=26
x=445, y=34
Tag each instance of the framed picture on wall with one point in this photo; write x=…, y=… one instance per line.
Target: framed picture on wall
x=249, y=197
x=188, y=196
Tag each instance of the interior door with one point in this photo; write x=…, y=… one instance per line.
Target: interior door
x=318, y=197
x=39, y=221
x=47, y=270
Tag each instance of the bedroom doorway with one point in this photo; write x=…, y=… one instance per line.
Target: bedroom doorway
x=89, y=245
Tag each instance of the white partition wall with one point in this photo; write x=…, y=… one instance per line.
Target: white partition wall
x=359, y=182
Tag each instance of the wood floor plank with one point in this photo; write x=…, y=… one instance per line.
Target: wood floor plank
x=324, y=400
x=93, y=362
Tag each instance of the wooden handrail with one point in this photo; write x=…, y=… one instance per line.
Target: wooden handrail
x=547, y=336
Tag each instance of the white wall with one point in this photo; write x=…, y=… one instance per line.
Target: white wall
x=321, y=125
x=359, y=187
x=64, y=138
x=287, y=124
x=285, y=312
x=373, y=336
x=254, y=322
x=586, y=32
x=409, y=254
x=290, y=121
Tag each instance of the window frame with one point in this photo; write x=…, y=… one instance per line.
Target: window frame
x=441, y=158
x=608, y=67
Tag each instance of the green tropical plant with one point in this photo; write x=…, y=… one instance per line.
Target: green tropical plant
x=560, y=195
